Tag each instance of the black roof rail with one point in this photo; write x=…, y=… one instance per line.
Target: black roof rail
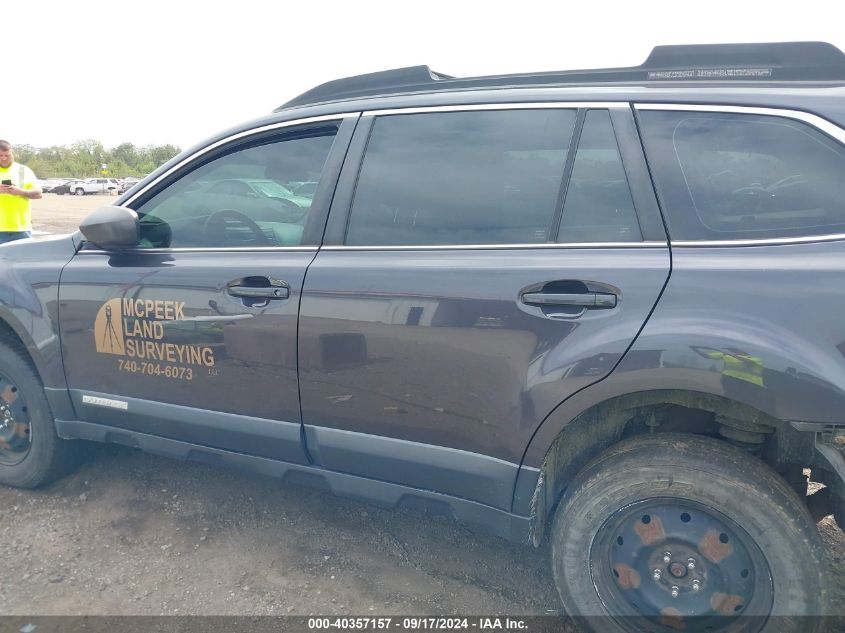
x=395, y=80
x=776, y=62
x=779, y=61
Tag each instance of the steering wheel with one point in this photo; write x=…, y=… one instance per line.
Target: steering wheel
x=220, y=217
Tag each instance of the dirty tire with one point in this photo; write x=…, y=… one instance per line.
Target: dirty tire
x=676, y=471
x=48, y=456
x=838, y=510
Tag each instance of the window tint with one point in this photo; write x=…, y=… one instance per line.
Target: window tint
x=598, y=205
x=739, y=176
x=490, y=177
x=240, y=199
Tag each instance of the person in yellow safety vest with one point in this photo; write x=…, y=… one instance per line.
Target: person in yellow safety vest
x=18, y=186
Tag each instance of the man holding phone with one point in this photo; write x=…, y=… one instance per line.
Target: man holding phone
x=18, y=186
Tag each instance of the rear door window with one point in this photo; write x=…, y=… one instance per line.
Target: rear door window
x=446, y=178
x=598, y=205
x=742, y=176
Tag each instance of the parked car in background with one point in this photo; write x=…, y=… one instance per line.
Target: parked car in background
x=258, y=188
x=95, y=185
x=48, y=184
x=66, y=187
x=306, y=189
x=127, y=183
x=261, y=199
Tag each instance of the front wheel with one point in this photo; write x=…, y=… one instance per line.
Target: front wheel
x=80, y=192
x=672, y=531
x=31, y=453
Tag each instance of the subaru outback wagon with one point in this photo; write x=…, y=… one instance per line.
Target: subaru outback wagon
x=600, y=308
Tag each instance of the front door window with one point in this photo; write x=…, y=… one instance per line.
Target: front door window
x=241, y=199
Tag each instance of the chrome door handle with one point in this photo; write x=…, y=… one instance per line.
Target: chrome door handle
x=592, y=300
x=250, y=292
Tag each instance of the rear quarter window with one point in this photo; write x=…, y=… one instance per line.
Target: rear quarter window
x=724, y=176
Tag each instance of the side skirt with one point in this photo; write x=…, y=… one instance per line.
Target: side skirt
x=508, y=526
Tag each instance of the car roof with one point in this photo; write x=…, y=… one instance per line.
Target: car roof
x=715, y=63
x=805, y=76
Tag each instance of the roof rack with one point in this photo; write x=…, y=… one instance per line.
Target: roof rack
x=776, y=62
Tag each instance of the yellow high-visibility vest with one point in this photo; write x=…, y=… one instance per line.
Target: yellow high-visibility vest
x=14, y=210
x=740, y=366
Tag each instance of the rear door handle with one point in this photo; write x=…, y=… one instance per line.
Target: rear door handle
x=591, y=300
x=261, y=292
x=258, y=288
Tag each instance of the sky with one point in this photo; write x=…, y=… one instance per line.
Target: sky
x=156, y=72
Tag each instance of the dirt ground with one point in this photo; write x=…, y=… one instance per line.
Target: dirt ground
x=131, y=533
x=134, y=534
x=62, y=214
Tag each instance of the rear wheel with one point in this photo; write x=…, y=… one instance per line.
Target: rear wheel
x=677, y=531
x=31, y=453
x=839, y=510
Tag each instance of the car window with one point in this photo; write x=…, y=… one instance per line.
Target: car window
x=598, y=206
x=480, y=177
x=740, y=176
x=238, y=199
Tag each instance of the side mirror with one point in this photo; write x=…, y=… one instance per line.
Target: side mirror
x=111, y=227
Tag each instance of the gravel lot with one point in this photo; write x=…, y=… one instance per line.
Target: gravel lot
x=130, y=533
x=61, y=214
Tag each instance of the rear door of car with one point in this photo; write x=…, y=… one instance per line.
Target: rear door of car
x=753, y=201
x=476, y=271
x=191, y=335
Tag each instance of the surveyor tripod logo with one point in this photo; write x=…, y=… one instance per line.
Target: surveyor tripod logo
x=108, y=329
x=139, y=328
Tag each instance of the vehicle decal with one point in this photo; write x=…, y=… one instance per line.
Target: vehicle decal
x=136, y=330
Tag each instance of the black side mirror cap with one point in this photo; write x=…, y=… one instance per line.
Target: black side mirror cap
x=111, y=228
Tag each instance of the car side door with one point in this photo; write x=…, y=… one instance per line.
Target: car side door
x=191, y=334
x=480, y=265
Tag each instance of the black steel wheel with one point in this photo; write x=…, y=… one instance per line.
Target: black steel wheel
x=31, y=453
x=678, y=532
x=15, y=427
x=669, y=560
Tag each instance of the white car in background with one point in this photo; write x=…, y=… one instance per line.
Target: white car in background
x=95, y=185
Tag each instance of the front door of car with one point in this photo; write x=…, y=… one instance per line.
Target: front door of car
x=191, y=335
x=480, y=271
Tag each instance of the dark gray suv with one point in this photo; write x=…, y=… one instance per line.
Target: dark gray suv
x=603, y=308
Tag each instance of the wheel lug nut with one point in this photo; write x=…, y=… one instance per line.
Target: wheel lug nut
x=696, y=585
x=658, y=574
x=675, y=591
x=690, y=563
x=667, y=557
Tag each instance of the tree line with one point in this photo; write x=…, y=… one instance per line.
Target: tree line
x=86, y=159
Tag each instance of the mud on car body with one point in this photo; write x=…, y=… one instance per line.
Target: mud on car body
x=594, y=307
